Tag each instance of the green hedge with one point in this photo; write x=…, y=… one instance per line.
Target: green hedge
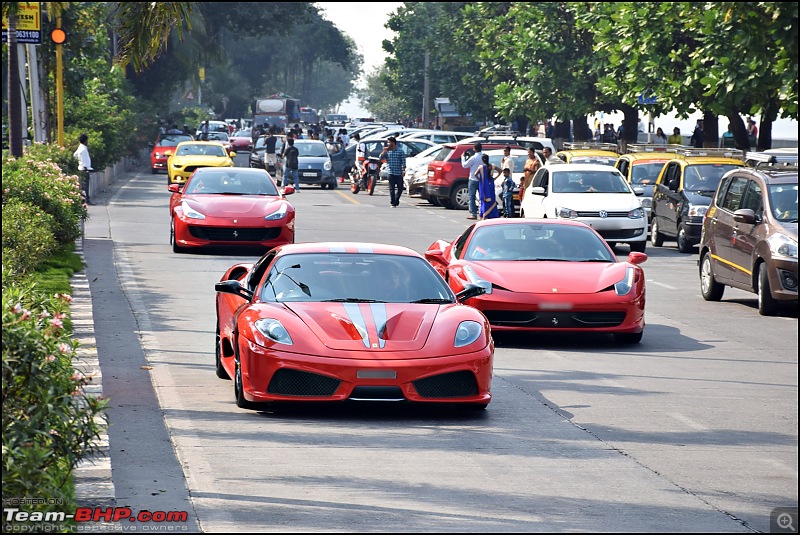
x=27, y=236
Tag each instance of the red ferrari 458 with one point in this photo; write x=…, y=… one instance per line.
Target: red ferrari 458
x=230, y=206
x=349, y=321
x=546, y=275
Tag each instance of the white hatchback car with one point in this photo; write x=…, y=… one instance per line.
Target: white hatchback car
x=597, y=195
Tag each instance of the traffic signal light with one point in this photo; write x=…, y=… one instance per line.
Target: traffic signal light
x=58, y=36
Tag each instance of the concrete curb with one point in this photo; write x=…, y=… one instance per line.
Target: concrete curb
x=94, y=486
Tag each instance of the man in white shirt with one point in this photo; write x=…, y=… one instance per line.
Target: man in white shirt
x=84, y=165
x=507, y=162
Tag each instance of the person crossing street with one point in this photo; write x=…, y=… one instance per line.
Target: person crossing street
x=396, y=161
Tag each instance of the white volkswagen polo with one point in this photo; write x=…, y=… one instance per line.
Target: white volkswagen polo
x=597, y=195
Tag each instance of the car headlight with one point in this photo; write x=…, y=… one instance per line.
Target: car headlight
x=566, y=213
x=277, y=214
x=157, y=155
x=697, y=211
x=274, y=330
x=624, y=286
x=327, y=166
x=190, y=212
x=647, y=202
x=636, y=213
x=781, y=245
x=467, y=332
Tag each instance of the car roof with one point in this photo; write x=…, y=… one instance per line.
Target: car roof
x=198, y=142
x=514, y=152
x=710, y=159
x=589, y=152
x=644, y=157
x=528, y=221
x=347, y=247
x=775, y=175
x=581, y=167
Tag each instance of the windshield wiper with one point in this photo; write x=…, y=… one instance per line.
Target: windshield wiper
x=436, y=300
x=234, y=193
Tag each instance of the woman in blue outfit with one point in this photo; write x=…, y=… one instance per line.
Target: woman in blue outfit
x=486, y=193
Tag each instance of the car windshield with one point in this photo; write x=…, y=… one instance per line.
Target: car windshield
x=172, y=140
x=589, y=182
x=783, y=200
x=201, y=149
x=312, y=150
x=537, y=241
x=705, y=177
x=230, y=182
x=217, y=136
x=645, y=174
x=354, y=278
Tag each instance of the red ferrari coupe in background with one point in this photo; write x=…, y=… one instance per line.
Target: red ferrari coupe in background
x=318, y=322
x=230, y=206
x=546, y=275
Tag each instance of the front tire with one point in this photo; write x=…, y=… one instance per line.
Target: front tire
x=656, y=238
x=238, y=390
x=371, y=184
x=220, y=370
x=709, y=287
x=175, y=247
x=684, y=245
x=767, y=305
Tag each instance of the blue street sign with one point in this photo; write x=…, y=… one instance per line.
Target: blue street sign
x=643, y=100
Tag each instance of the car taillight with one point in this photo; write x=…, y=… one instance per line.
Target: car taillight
x=446, y=168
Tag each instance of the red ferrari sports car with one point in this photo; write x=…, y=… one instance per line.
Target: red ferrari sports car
x=349, y=321
x=230, y=206
x=546, y=275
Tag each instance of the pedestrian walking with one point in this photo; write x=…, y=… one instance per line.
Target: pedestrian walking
x=204, y=131
x=661, y=137
x=507, y=193
x=270, y=157
x=291, y=164
x=675, y=138
x=532, y=164
x=697, y=136
x=396, y=162
x=473, y=162
x=84, y=166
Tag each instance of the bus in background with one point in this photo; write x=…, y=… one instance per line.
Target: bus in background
x=279, y=110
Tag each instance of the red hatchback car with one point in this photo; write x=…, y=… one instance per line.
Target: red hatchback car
x=447, y=183
x=546, y=275
x=165, y=142
x=231, y=206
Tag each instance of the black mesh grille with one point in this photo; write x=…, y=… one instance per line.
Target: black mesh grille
x=554, y=320
x=234, y=233
x=287, y=382
x=448, y=385
x=620, y=234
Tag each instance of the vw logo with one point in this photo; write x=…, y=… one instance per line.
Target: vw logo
x=555, y=322
x=603, y=214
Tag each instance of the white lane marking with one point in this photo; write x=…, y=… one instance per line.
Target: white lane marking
x=688, y=421
x=667, y=286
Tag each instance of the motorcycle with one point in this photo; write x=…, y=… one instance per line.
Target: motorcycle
x=365, y=181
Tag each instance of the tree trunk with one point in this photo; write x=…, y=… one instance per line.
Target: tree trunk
x=562, y=134
x=740, y=137
x=580, y=129
x=630, y=130
x=14, y=111
x=710, y=130
x=765, y=126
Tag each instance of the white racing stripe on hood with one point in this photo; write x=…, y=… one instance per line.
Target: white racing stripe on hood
x=354, y=313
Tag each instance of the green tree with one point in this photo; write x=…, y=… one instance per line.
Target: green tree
x=381, y=103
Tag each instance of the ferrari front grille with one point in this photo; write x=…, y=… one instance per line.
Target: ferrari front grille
x=620, y=234
x=234, y=233
x=448, y=385
x=554, y=320
x=286, y=382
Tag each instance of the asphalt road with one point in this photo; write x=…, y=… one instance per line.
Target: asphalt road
x=694, y=429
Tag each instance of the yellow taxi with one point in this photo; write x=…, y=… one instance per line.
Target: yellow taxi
x=589, y=152
x=189, y=155
x=641, y=166
x=683, y=192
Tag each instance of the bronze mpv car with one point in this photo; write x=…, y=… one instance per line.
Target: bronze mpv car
x=749, y=237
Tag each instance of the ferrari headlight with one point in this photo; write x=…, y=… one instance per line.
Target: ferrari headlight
x=277, y=214
x=784, y=246
x=274, y=330
x=636, y=213
x=467, y=332
x=157, y=155
x=624, y=286
x=327, y=166
x=190, y=212
x=697, y=211
x=566, y=213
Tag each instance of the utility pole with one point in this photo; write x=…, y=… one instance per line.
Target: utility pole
x=426, y=92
